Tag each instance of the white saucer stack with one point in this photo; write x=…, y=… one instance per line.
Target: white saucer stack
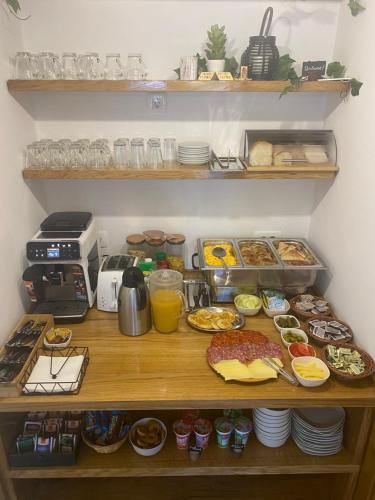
x=318, y=431
x=272, y=426
x=193, y=153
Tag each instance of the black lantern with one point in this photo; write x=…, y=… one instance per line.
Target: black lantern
x=262, y=55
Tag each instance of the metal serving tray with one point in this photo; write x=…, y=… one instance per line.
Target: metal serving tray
x=318, y=265
x=202, y=243
x=261, y=241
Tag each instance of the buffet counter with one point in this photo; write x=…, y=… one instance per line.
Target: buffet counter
x=170, y=371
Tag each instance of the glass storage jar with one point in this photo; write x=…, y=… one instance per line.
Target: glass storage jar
x=154, y=245
x=136, y=245
x=176, y=251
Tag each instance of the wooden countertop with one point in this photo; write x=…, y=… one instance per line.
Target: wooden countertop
x=161, y=371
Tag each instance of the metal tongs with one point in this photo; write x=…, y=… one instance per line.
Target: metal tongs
x=290, y=378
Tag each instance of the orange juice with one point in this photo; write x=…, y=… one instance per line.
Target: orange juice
x=166, y=310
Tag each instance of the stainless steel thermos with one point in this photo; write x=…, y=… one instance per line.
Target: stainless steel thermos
x=134, y=310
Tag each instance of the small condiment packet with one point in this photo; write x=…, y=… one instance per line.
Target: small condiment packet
x=67, y=443
x=45, y=444
x=72, y=426
x=51, y=430
x=32, y=428
x=25, y=444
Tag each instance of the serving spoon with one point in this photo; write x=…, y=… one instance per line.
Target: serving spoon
x=220, y=253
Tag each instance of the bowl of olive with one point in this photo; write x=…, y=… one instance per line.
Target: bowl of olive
x=292, y=335
x=283, y=321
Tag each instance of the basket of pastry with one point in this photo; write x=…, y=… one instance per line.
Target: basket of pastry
x=238, y=355
x=106, y=431
x=147, y=436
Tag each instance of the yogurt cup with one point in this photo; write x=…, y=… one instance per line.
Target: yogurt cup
x=182, y=430
x=224, y=428
x=242, y=429
x=202, y=431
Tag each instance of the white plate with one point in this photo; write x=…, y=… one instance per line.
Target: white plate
x=321, y=417
x=273, y=413
x=194, y=144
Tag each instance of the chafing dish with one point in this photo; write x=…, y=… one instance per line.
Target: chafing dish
x=225, y=284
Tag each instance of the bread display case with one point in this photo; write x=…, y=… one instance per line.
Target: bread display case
x=289, y=148
x=287, y=264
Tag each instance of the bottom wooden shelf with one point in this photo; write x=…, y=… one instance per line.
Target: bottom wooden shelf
x=328, y=487
x=257, y=459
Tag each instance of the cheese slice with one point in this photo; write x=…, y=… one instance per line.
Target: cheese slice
x=232, y=369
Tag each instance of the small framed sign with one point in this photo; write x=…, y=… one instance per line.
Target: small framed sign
x=314, y=70
x=206, y=76
x=224, y=75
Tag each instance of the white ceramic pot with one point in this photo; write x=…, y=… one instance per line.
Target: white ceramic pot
x=216, y=65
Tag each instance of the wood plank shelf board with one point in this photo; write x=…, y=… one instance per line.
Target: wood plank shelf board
x=170, y=86
x=256, y=459
x=158, y=372
x=181, y=172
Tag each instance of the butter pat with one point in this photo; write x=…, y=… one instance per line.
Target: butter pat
x=232, y=369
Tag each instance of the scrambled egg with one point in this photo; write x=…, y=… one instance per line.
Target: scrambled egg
x=211, y=260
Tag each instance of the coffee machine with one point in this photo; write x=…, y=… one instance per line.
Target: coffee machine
x=64, y=264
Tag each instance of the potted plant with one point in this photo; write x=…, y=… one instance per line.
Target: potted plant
x=215, y=51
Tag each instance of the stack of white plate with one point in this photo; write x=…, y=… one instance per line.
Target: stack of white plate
x=193, y=153
x=272, y=426
x=318, y=431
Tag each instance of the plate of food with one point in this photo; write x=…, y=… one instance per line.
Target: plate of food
x=237, y=355
x=215, y=319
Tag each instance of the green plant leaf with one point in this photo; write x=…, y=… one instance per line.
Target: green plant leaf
x=14, y=5
x=178, y=72
x=336, y=70
x=288, y=88
x=355, y=7
x=231, y=65
x=284, y=69
x=355, y=87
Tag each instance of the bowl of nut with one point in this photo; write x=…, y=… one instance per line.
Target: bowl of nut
x=147, y=436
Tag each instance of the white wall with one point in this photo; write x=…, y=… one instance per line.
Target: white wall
x=343, y=223
x=20, y=209
x=164, y=30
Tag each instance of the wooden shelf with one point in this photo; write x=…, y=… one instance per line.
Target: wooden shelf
x=180, y=172
x=257, y=459
x=169, y=86
x=158, y=372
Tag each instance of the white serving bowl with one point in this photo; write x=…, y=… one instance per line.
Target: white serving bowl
x=248, y=311
x=305, y=381
x=301, y=333
x=272, y=313
x=313, y=355
x=57, y=347
x=276, y=318
x=149, y=452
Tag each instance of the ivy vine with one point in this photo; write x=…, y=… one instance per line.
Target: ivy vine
x=14, y=8
x=355, y=7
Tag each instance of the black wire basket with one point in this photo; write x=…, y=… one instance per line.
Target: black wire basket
x=262, y=55
x=54, y=387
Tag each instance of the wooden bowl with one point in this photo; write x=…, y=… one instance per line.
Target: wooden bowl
x=323, y=342
x=347, y=377
x=305, y=315
x=111, y=448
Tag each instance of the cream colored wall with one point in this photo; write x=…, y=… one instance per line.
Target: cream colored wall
x=343, y=224
x=20, y=208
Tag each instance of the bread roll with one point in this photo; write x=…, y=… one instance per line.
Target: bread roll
x=260, y=154
x=281, y=156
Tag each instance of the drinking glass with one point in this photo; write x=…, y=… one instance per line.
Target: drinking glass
x=169, y=152
x=90, y=66
x=48, y=66
x=65, y=145
x=113, y=67
x=105, y=151
x=154, y=156
x=121, y=153
x=76, y=155
x=33, y=156
x=56, y=156
x=85, y=144
x=23, y=66
x=69, y=66
x=135, y=69
x=45, y=154
x=137, y=153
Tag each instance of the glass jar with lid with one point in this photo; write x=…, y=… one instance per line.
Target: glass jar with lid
x=176, y=251
x=136, y=245
x=154, y=243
